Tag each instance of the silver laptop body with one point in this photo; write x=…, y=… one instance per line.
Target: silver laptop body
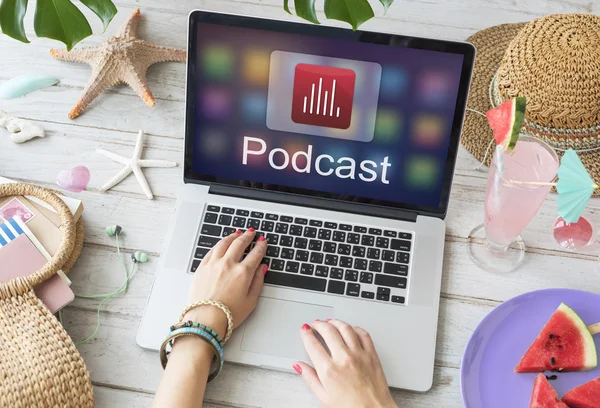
x=398, y=304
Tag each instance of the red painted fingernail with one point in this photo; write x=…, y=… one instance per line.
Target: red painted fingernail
x=238, y=232
x=261, y=238
x=297, y=368
x=265, y=269
x=305, y=326
x=250, y=229
x=316, y=320
x=327, y=320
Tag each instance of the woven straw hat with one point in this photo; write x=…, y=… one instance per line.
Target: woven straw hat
x=554, y=62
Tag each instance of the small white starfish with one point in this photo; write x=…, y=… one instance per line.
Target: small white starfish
x=135, y=164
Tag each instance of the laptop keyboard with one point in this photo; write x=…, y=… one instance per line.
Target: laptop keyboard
x=318, y=255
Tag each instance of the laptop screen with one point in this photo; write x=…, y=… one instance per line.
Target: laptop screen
x=326, y=116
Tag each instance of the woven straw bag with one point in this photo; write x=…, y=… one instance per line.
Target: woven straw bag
x=39, y=364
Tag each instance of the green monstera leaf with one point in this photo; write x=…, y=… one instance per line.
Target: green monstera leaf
x=353, y=12
x=57, y=19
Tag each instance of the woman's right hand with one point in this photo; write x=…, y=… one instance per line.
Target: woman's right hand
x=352, y=376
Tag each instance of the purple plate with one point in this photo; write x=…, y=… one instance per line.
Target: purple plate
x=487, y=376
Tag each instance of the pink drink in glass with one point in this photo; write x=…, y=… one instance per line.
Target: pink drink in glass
x=510, y=205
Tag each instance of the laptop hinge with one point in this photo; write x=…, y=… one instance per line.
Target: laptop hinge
x=314, y=202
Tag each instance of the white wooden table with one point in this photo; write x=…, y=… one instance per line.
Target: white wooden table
x=123, y=374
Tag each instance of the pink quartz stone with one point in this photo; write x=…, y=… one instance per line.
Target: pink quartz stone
x=74, y=180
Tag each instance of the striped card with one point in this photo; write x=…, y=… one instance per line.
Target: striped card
x=11, y=229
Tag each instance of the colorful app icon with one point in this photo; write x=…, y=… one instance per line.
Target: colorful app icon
x=388, y=125
x=256, y=67
x=214, y=143
x=422, y=172
x=217, y=62
x=435, y=88
x=323, y=96
x=216, y=104
x=428, y=131
x=254, y=107
x=394, y=82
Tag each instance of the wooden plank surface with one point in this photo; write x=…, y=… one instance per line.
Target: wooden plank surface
x=125, y=375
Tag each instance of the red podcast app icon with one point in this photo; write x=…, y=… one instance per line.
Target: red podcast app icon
x=323, y=96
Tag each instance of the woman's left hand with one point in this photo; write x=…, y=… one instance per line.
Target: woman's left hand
x=224, y=277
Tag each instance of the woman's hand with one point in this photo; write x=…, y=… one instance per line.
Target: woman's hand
x=352, y=376
x=224, y=277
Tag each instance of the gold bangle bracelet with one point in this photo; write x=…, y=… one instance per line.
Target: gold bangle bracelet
x=214, y=303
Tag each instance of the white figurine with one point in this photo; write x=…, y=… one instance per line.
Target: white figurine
x=21, y=130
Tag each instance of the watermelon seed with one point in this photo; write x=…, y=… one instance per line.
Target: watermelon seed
x=551, y=336
x=553, y=361
x=551, y=377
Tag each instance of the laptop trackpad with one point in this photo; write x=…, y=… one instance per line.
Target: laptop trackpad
x=274, y=327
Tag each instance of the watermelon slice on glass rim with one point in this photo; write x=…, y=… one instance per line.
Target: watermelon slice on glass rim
x=584, y=396
x=506, y=121
x=564, y=344
x=544, y=395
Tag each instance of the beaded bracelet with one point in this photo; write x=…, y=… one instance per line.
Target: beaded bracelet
x=221, y=306
x=192, y=331
x=201, y=326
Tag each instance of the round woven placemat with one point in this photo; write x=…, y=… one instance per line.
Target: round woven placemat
x=491, y=45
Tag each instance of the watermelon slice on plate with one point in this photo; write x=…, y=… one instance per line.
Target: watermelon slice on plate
x=544, y=395
x=564, y=344
x=584, y=396
x=506, y=121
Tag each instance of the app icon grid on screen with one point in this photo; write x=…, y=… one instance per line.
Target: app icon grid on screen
x=401, y=107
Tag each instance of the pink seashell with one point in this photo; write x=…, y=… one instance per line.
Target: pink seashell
x=74, y=180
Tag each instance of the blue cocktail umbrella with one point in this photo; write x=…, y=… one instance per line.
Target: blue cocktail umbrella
x=575, y=187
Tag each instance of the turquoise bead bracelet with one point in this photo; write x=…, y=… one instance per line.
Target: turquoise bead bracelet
x=190, y=323
x=202, y=333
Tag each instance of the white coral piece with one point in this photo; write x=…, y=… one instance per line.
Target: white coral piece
x=21, y=130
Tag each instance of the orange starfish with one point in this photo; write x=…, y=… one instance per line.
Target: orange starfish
x=120, y=59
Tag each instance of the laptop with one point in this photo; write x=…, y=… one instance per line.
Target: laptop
x=339, y=147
